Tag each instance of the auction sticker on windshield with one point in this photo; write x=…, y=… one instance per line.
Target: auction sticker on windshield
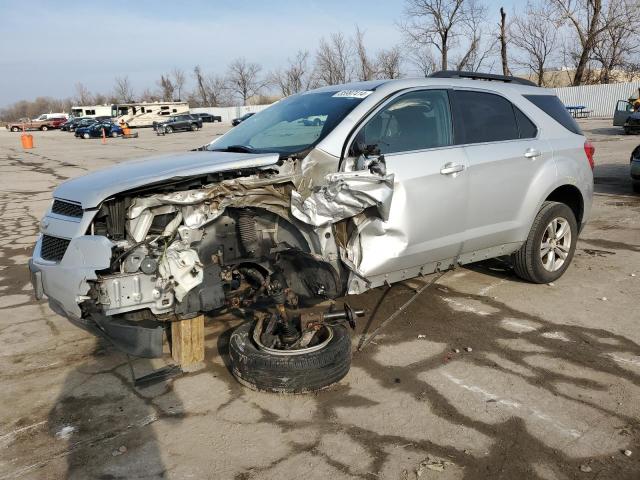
x=353, y=93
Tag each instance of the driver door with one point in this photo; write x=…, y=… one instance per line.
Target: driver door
x=427, y=220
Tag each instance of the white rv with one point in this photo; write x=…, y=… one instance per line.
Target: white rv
x=133, y=114
x=144, y=114
x=94, y=111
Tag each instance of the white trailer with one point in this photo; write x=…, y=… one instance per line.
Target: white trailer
x=144, y=114
x=141, y=114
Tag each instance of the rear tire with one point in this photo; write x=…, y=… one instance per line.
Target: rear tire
x=168, y=130
x=529, y=262
x=267, y=372
x=15, y=129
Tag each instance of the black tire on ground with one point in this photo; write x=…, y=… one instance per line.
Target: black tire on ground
x=114, y=134
x=194, y=127
x=44, y=128
x=262, y=371
x=527, y=262
x=168, y=130
x=15, y=129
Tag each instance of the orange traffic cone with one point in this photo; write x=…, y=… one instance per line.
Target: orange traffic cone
x=26, y=139
x=104, y=137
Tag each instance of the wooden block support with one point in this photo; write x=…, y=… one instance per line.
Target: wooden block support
x=187, y=341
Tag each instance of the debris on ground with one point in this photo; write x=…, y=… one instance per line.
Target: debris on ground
x=551, y=284
x=119, y=451
x=422, y=336
x=604, y=299
x=434, y=464
x=65, y=432
x=468, y=349
x=627, y=453
x=585, y=468
x=456, y=350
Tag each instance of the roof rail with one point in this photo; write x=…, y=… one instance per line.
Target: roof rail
x=481, y=76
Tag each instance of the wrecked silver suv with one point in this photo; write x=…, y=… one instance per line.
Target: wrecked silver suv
x=326, y=193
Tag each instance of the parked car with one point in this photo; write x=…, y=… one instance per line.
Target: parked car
x=406, y=178
x=239, y=120
x=44, y=125
x=178, y=123
x=80, y=122
x=315, y=121
x=623, y=112
x=635, y=169
x=632, y=123
x=207, y=117
x=94, y=130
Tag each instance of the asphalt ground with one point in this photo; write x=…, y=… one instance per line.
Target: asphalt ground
x=484, y=376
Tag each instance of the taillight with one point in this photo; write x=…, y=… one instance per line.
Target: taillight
x=589, y=150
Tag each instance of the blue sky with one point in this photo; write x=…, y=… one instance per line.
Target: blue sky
x=48, y=46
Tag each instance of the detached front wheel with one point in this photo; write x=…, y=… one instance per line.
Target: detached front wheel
x=302, y=371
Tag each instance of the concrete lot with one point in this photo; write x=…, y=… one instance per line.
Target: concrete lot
x=549, y=389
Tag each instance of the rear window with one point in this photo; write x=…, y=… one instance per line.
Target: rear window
x=552, y=106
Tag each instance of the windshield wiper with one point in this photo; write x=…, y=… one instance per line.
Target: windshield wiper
x=235, y=148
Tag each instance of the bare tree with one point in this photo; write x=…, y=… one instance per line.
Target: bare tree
x=588, y=20
x=435, y=23
x=82, y=94
x=334, y=60
x=478, y=50
x=201, y=86
x=123, y=90
x=148, y=95
x=503, y=41
x=166, y=87
x=217, y=91
x=179, y=80
x=619, y=42
x=244, y=79
x=294, y=77
x=365, y=68
x=388, y=63
x=535, y=39
x=421, y=57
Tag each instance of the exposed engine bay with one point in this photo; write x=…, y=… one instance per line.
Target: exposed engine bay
x=242, y=239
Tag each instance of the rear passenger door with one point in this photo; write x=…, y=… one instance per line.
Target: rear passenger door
x=505, y=155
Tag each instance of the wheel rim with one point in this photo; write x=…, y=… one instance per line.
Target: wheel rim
x=555, y=244
x=327, y=332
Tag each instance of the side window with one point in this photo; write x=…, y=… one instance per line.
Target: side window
x=526, y=127
x=485, y=117
x=414, y=121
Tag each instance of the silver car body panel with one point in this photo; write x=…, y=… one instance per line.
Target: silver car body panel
x=423, y=220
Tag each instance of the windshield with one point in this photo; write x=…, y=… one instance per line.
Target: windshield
x=292, y=125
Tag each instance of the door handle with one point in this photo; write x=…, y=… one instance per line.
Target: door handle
x=451, y=168
x=532, y=153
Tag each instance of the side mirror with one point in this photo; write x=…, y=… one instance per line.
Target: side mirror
x=359, y=148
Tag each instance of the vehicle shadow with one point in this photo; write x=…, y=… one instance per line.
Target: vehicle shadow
x=107, y=421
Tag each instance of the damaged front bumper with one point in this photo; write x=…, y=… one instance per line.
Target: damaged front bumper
x=66, y=286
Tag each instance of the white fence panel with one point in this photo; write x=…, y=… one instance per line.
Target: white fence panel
x=600, y=99
x=229, y=113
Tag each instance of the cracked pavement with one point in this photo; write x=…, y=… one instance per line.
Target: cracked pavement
x=551, y=382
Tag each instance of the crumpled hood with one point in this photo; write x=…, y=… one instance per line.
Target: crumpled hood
x=93, y=188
